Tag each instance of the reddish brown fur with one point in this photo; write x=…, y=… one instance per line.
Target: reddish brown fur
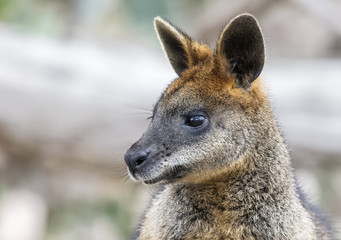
x=208, y=74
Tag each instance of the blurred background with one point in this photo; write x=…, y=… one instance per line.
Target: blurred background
x=78, y=79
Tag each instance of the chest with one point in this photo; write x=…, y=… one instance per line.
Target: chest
x=190, y=217
x=179, y=215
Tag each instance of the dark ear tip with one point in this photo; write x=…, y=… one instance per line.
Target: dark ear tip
x=161, y=26
x=158, y=20
x=245, y=18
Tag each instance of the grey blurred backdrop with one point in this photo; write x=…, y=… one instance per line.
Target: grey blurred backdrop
x=78, y=79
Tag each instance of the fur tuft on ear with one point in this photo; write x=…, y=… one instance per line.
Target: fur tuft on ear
x=240, y=50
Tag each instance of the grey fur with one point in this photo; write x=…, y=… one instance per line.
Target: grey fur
x=230, y=177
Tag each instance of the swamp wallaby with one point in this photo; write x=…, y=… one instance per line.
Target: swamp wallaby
x=214, y=147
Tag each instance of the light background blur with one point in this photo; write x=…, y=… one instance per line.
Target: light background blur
x=78, y=79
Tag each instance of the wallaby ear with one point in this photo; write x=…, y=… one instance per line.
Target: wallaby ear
x=175, y=44
x=241, y=50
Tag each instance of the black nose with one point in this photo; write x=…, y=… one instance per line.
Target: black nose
x=135, y=158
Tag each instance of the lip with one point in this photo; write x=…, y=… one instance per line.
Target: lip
x=154, y=180
x=132, y=175
x=146, y=181
x=168, y=176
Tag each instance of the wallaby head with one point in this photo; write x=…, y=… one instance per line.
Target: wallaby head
x=210, y=116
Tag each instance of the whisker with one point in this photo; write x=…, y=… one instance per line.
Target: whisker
x=125, y=179
x=141, y=108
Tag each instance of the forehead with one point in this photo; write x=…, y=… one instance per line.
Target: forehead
x=200, y=87
x=199, y=80
x=193, y=89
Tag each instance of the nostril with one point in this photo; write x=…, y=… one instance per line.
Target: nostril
x=135, y=159
x=140, y=160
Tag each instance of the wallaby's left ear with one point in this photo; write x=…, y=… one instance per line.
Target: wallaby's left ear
x=240, y=50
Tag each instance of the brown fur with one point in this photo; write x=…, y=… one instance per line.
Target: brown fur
x=233, y=178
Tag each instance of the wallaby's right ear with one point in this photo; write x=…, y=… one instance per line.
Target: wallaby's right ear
x=175, y=43
x=241, y=50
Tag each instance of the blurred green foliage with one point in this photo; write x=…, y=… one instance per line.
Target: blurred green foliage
x=74, y=216
x=63, y=17
x=145, y=11
x=31, y=16
x=4, y=6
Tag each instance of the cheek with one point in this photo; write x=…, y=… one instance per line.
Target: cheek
x=201, y=154
x=217, y=149
x=237, y=139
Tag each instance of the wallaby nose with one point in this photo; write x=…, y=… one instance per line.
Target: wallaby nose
x=135, y=159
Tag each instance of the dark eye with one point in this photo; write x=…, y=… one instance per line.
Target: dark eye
x=195, y=121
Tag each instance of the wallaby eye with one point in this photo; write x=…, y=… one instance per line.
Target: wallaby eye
x=195, y=121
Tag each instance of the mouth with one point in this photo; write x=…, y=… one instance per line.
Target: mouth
x=167, y=176
x=132, y=175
